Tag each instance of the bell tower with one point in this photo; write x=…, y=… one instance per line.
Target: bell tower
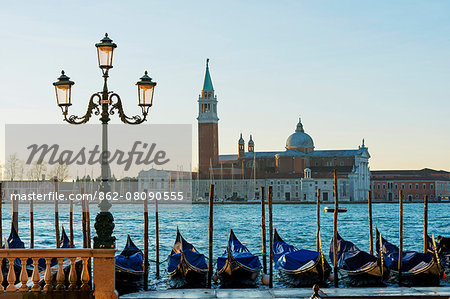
x=208, y=137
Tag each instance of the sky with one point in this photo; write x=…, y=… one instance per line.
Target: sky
x=378, y=70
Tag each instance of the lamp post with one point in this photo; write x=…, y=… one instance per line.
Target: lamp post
x=105, y=104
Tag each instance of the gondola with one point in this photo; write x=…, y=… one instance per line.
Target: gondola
x=186, y=266
x=129, y=269
x=443, y=255
x=237, y=266
x=442, y=248
x=417, y=269
x=357, y=267
x=299, y=268
x=65, y=242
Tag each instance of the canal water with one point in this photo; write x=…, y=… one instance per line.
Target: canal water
x=296, y=224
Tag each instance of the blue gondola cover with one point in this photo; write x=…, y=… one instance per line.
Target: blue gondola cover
x=193, y=257
x=240, y=253
x=131, y=257
x=349, y=256
x=288, y=257
x=411, y=260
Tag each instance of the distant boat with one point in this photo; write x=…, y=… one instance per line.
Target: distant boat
x=129, y=269
x=357, y=267
x=331, y=210
x=186, y=264
x=299, y=267
x=417, y=269
x=237, y=265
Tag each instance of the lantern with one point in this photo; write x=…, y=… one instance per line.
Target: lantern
x=145, y=90
x=63, y=88
x=105, y=51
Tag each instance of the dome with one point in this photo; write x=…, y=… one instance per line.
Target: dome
x=299, y=140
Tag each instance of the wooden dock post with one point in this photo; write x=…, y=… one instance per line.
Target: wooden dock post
x=318, y=221
x=55, y=199
x=263, y=229
x=31, y=224
x=15, y=212
x=146, y=241
x=270, y=239
x=210, y=234
x=370, y=222
x=425, y=223
x=157, y=237
x=83, y=221
x=400, y=246
x=71, y=222
x=335, y=218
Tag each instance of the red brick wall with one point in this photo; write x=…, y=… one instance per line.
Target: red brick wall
x=208, y=147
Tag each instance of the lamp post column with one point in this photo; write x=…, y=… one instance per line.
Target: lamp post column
x=104, y=221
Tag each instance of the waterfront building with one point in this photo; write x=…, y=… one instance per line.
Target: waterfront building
x=160, y=182
x=415, y=184
x=295, y=172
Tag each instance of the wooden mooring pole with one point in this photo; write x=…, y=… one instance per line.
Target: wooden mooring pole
x=370, y=222
x=210, y=234
x=157, y=237
x=318, y=221
x=71, y=222
x=270, y=239
x=425, y=223
x=15, y=213
x=55, y=182
x=83, y=220
x=146, y=264
x=400, y=246
x=335, y=218
x=31, y=224
x=263, y=229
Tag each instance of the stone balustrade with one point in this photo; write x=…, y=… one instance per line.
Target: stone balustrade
x=63, y=275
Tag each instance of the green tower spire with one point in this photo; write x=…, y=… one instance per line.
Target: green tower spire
x=207, y=84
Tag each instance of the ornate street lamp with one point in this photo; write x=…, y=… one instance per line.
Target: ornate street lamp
x=105, y=103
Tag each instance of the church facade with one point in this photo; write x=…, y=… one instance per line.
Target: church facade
x=295, y=173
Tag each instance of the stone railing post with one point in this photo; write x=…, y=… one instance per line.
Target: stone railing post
x=104, y=274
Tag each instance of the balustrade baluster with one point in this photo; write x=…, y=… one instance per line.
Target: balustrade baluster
x=35, y=276
x=60, y=277
x=72, y=275
x=85, y=275
x=23, y=275
x=11, y=276
x=48, y=275
x=1, y=264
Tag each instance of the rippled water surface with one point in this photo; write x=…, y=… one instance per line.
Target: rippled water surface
x=295, y=223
